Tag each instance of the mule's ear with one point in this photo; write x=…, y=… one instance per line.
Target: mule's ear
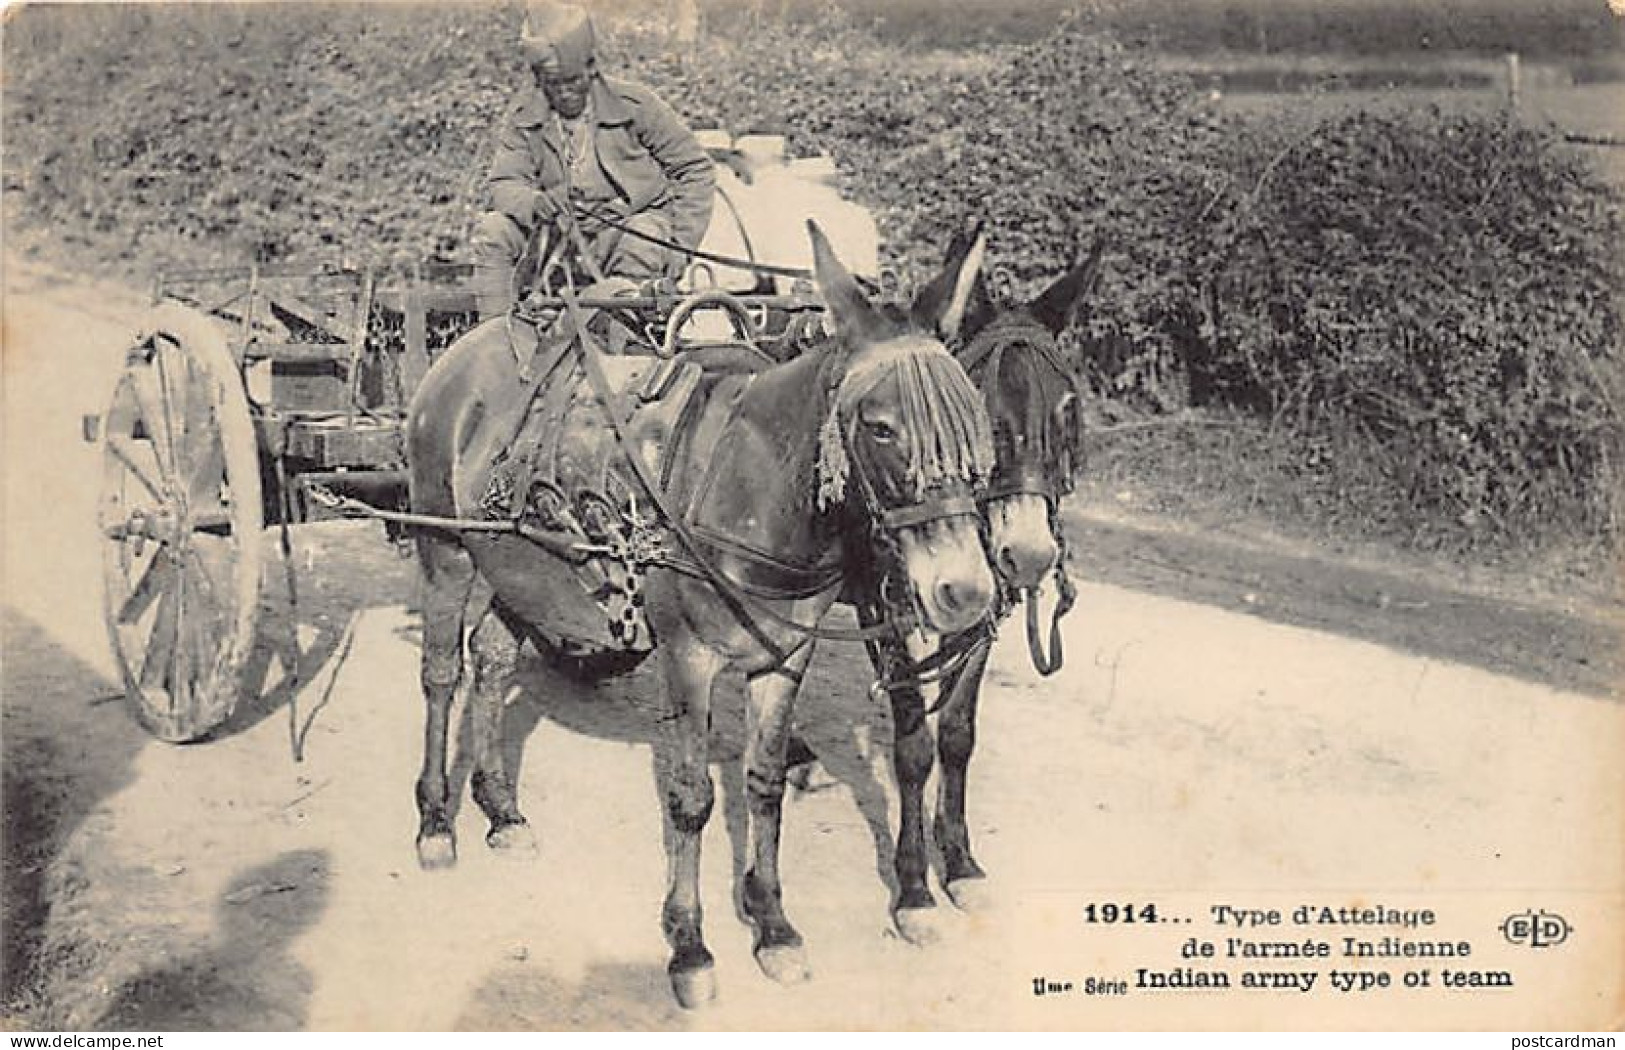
x=1053, y=308
x=980, y=311
x=849, y=308
x=942, y=304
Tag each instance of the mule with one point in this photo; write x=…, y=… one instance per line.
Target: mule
x=1012, y=357
x=869, y=449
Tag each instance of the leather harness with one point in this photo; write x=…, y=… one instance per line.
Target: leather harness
x=704, y=552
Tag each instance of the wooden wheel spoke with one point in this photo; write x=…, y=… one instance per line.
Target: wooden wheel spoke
x=198, y=444
x=209, y=607
x=175, y=386
x=155, y=580
x=184, y=658
x=180, y=473
x=195, y=659
x=151, y=404
x=123, y=447
x=206, y=468
x=161, y=644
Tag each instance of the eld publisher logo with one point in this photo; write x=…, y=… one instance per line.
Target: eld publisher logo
x=1537, y=929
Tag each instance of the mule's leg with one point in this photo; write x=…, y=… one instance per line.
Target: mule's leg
x=448, y=575
x=688, y=795
x=494, y=647
x=912, y=757
x=772, y=696
x=956, y=740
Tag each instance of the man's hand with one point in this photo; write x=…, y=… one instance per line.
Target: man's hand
x=547, y=206
x=598, y=217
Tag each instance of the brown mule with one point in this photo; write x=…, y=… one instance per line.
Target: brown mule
x=1012, y=357
x=874, y=444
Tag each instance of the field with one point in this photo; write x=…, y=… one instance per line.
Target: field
x=1564, y=29
x=1591, y=115
x=1304, y=58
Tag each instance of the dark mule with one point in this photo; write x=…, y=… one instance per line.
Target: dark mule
x=1011, y=356
x=874, y=439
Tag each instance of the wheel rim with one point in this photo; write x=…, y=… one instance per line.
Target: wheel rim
x=181, y=520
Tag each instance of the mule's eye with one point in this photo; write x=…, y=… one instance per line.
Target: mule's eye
x=881, y=431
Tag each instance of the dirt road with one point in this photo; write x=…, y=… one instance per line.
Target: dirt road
x=1188, y=757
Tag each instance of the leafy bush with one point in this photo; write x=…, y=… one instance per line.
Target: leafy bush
x=278, y=132
x=1433, y=299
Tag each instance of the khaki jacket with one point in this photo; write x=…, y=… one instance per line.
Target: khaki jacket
x=644, y=149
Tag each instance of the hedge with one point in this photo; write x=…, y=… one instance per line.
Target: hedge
x=1429, y=304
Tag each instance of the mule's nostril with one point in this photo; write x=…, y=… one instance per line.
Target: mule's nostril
x=961, y=601
x=1026, y=566
x=951, y=596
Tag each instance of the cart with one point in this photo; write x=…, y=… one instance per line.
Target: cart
x=255, y=398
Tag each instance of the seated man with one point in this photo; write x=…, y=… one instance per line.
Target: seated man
x=613, y=152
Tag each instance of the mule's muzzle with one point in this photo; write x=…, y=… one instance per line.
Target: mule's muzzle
x=1021, y=539
x=959, y=602
x=947, y=571
x=1024, y=562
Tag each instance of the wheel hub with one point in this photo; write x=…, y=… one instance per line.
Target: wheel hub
x=167, y=525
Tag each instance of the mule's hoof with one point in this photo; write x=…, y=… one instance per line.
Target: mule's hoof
x=920, y=927
x=513, y=840
x=785, y=964
x=970, y=895
x=436, y=852
x=694, y=988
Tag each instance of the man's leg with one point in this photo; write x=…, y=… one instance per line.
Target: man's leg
x=635, y=258
x=496, y=244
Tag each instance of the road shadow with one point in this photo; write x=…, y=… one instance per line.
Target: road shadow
x=340, y=569
x=608, y=998
x=835, y=717
x=246, y=981
x=1404, y=608
x=851, y=735
x=66, y=744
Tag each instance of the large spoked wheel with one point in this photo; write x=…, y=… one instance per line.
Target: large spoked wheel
x=181, y=525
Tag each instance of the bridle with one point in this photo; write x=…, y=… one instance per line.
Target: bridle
x=1051, y=476
x=1048, y=476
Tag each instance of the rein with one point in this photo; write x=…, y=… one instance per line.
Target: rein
x=769, y=269
x=938, y=667
x=1047, y=665
x=732, y=262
